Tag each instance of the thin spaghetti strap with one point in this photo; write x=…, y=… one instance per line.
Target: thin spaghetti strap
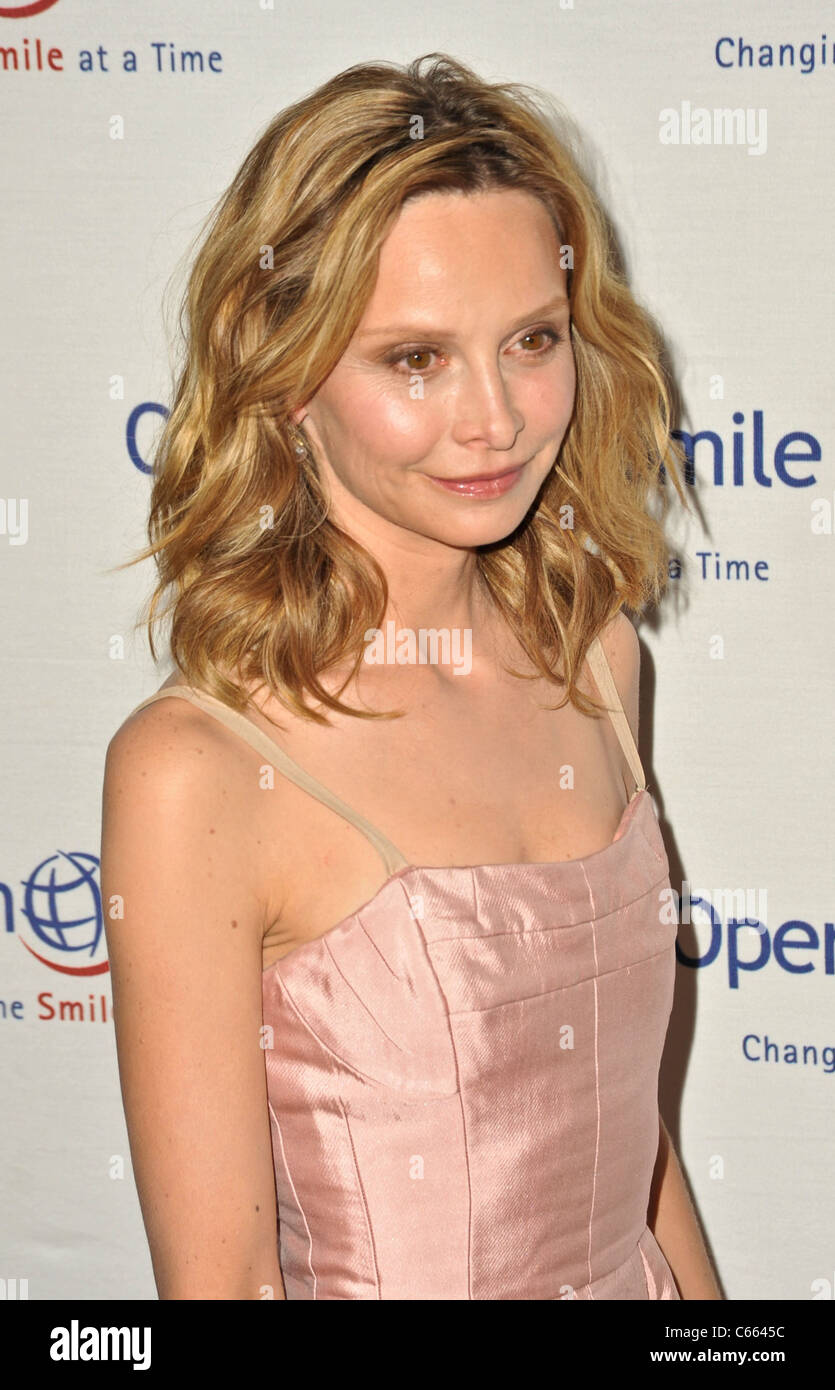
x=244, y=727
x=603, y=675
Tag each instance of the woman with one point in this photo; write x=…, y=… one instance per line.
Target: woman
x=420, y=414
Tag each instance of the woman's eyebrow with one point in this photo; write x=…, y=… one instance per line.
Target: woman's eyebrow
x=416, y=330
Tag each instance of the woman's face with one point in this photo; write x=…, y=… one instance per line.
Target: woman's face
x=461, y=370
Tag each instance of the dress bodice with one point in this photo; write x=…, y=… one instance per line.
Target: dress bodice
x=463, y=1079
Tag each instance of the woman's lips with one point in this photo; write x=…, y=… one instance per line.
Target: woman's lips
x=490, y=486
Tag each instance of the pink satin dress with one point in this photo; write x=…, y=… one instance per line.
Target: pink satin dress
x=462, y=1075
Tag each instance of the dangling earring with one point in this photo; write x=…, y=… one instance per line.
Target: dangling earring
x=299, y=442
x=308, y=476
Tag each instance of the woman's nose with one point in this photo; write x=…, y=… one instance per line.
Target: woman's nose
x=486, y=411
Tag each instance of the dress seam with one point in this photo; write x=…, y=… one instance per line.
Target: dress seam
x=526, y=999
x=537, y=931
x=367, y=1213
x=296, y=1199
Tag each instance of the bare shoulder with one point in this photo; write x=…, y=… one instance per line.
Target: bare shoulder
x=175, y=774
x=171, y=742
x=620, y=643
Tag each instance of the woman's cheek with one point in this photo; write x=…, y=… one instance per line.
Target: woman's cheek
x=405, y=426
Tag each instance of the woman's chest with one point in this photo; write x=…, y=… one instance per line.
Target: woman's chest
x=506, y=783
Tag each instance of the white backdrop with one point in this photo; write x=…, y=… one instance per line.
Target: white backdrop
x=111, y=165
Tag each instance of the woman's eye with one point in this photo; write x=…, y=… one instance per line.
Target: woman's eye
x=411, y=361
x=418, y=359
x=546, y=336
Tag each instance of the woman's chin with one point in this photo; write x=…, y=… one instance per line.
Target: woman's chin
x=487, y=526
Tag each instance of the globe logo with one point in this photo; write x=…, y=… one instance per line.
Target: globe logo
x=62, y=904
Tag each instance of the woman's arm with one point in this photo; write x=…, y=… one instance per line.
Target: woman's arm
x=674, y=1224
x=185, y=960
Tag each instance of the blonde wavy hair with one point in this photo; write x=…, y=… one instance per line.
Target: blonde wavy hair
x=276, y=291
